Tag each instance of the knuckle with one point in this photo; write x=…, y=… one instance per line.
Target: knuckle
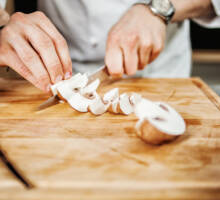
x=44, y=42
x=29, y=57
x=39, y=14
x=61, y=42
x=113, y=36
x=18, y=16
x=146, y=44
x=131, y=40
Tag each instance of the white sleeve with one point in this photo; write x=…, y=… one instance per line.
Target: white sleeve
x=3, y=3
x=212, y=22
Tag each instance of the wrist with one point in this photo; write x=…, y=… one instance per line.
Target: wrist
x=149, y=12
x=163, y=9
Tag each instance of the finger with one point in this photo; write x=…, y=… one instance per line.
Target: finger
x=44, y=46
x=114, y=61
x=158, y=46
x=31, y=60
x=144, y=56
x=130, y=60
x=4, y=17
x=60, y=43
x=16, y=64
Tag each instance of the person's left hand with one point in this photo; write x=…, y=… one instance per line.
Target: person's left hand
x=136, y=40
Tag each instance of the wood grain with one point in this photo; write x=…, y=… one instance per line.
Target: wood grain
x=68, y=154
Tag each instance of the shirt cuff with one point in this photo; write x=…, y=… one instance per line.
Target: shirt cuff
x=216, y=5
x=211, y=22
x=3, y=3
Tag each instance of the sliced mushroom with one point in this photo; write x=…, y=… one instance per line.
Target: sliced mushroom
x=135, y=98
x=53, y=88
x=158, y=123
x=125, y=106
x=91, y=88
x=98, y=107
x=67, y=88
x=111, y=95
x=64, y=92
x=79, y=102
x=114, y=106
x=78, y=81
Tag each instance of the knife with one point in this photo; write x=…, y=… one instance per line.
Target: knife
x=101, y=74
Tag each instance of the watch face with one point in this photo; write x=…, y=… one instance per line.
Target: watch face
x=163, y=6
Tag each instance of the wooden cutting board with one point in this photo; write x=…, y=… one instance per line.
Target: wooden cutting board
x=66, y=154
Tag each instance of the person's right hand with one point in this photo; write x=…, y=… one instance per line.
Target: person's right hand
x=32, y=46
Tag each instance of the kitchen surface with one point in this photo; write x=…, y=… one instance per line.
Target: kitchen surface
x=61, y=153
x=58, y=152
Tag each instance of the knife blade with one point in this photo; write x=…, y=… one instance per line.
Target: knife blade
x=102, y=74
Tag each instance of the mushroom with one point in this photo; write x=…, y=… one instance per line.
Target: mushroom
x=114, y=106
x=111, y=95
x=135, y=98
x=98, y=107
x=53, y=88
x=92, y=87
x=64, y=92
x=81, y=103
x=67, y=88
x=158, y=122
x=77, y=81
x=125, y=106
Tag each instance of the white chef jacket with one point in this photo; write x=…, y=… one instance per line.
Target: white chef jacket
x=85, y=25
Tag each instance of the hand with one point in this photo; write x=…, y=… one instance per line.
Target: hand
x=32, y=46
x=136, y=40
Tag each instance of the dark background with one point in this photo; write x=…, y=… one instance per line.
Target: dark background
x=201, y=38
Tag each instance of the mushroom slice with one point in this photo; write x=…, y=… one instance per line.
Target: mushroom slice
x=92, y=87
x=98, y=107
x=158, y=122
x=135, y=98
x=114, y=106
x=111, y=95
x=125, y=106
x=79, y=102
x=77, y=82
x=64, y=92
x=53, y=88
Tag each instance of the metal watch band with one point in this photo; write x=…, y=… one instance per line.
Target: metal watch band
x=156, y=12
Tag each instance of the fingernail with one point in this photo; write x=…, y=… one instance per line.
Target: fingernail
x=58, y=79
x=49, y=87
x=67, y=75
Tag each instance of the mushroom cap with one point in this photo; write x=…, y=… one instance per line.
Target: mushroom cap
x=165, y=120
x=150, y=134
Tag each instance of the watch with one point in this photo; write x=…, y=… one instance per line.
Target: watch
x=162, y=8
